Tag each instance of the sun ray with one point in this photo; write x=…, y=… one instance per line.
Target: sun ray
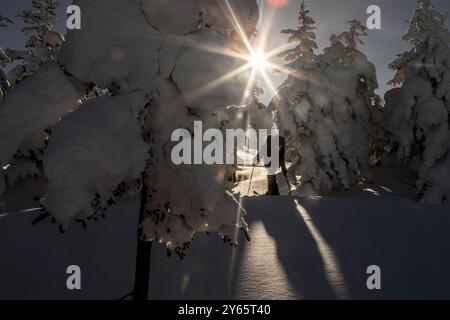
x=215, y=49
x=269, y=82
x=185, y=41
x=267, y=24
x=274, y=52
x=284, y=69
x=265, y=28
x=254, y=55
x=237, y=25
x=248, y=87
x=214, y=84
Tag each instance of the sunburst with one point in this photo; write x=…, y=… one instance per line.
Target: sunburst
x=252, y=52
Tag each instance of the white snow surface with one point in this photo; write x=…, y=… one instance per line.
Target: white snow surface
x=315, y=248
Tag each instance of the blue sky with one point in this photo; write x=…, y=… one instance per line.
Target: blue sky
x=331, y=16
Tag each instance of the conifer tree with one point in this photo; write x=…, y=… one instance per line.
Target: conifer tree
x=42, y=44
x=325, y=111
x=417, y=113
x=305, y=38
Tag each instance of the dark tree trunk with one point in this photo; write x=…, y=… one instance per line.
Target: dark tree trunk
x=143, y=256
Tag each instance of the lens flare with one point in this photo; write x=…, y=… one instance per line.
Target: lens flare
x=278, y=3
x=185, y=283
x=258, y=60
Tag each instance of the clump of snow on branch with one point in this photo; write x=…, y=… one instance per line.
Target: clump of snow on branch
x=31, y=109
x=417, y=113
x=325, y=108
x=109, y=53
x=92, y=151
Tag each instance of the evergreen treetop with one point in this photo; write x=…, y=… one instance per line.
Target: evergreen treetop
x=429, y=36
x=40, y=21
x=304, y=35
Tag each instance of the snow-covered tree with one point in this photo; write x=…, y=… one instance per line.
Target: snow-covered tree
x=417, y=113
x=40, y=24
x=325, y=111
x=43, y=42
x=304, y=37
x=159, y=77
x=351, y=38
